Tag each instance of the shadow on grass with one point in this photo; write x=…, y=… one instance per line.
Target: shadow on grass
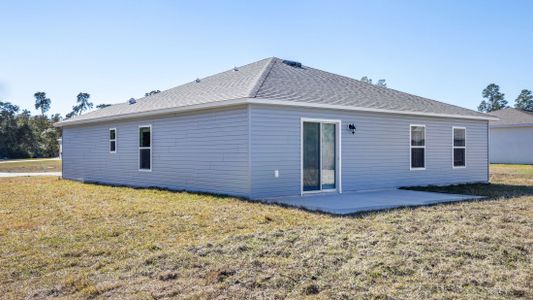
x=156, y=188
x=489, y=190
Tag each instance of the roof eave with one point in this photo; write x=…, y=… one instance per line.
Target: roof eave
x=240, y=101
x=152, y=113
x=511, y=125
x=366, y=109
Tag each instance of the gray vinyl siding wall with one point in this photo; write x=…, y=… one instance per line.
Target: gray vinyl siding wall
x=201, y=151
x=511, y=145
x=236, y=151
x=377, y=156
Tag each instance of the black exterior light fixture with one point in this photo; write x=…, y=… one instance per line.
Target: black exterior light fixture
x=351, y=127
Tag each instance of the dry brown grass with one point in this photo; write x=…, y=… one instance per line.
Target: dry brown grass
x=31, y=166
x=517, y=174
x=66, y=239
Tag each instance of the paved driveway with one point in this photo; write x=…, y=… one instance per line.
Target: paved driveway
x=353, y=202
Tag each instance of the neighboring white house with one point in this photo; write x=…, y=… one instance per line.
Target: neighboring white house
x=276, y=128
x=511, y=137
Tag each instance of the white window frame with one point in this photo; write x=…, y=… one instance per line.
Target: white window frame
x=417, y=147
x=457, y=147
x=112, y=140
x=142, y=148
x=338, y=130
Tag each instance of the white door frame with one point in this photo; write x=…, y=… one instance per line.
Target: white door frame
x=338, y=162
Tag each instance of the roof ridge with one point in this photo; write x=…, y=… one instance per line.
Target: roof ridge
x=519, y=110
x=527, y=112
x=262, y=77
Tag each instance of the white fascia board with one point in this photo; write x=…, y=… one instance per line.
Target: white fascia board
x=241, y=101
x=156, y=112
x=512, y=125
x=365, y=109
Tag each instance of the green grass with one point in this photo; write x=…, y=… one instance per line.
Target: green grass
x=507, y=182
x=31, y=166
x=67, y=239
x=513, y=169
x=521, y=174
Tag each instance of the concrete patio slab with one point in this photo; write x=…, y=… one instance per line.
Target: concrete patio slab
x=363, y=201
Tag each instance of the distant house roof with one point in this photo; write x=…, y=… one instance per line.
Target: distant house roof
x=278, y=82
x=510, y=117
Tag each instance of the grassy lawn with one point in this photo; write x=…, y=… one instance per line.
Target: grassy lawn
x=31, y=166
x=66, y=239
x=515, y=173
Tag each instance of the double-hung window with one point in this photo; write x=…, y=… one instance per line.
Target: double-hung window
x=459, y=147
x=112, y=140
x=418, y=147
x=145, y=148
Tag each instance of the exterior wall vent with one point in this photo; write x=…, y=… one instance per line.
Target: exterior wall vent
x=291, y=63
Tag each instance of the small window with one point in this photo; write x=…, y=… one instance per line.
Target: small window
x=112, y=140
x=459, y=147
x=145, y=148
x=418, y=147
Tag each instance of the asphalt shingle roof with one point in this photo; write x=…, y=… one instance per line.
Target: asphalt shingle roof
x=273, y=79
x=511, y=116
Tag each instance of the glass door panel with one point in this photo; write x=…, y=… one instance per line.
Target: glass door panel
x=311, y=156
x=328, y=156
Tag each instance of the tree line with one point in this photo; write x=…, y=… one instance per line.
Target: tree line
x=495, y=100
x=25, y=136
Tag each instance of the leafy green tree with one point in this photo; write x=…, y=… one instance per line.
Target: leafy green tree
x=49, y=143
x=72, y=113
x=41, y=102
x=8, y=130
x=152, y=93
x=524, y=100
x=23, y=135
x=495, y=100
x=83, y=103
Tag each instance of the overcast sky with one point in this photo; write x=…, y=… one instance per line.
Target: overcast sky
x=115, y=50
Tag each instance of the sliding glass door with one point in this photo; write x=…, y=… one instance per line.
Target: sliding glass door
x=311, y=152
x=319, y=156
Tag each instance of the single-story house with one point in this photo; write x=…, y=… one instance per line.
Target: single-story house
x=277, y=128
x=511, y=137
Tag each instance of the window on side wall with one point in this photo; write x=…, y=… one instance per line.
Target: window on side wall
x=145, y=148
x=418, y=147
x=459, y=147
x=112, y=140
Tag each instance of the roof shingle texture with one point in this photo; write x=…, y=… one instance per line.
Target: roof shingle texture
x=272, y=79
x=511, y=116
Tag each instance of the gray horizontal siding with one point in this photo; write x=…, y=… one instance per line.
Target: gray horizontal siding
x=511, y=145
x=204, y=151
x=377, y=156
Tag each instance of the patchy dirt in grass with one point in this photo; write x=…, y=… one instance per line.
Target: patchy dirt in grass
x=71, y=240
